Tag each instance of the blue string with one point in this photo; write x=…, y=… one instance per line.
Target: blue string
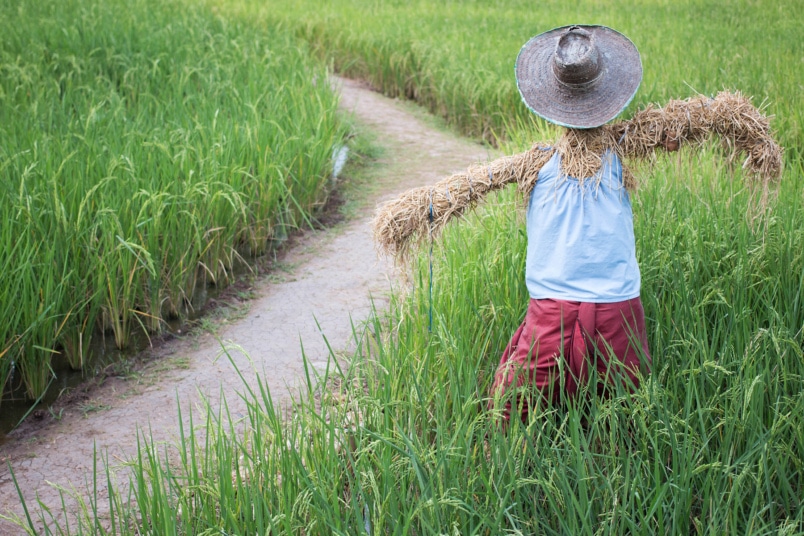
x=430, y=326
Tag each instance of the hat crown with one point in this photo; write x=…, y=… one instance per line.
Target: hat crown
x=576, y=62
x=578, y=76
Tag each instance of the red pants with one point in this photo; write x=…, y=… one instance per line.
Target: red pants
x=550, y=354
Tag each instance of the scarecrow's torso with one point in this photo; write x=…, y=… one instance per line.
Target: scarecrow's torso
x=581, y=236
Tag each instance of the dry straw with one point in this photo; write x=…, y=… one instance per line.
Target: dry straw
x=743, y=129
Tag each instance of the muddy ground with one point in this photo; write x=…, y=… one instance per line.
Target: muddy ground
x=323, y=284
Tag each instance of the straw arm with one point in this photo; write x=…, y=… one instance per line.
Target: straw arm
x=731, y=116
x=422, y=212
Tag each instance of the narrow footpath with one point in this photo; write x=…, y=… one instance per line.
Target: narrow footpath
x=328, y=282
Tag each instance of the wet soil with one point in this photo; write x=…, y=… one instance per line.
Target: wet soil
x=323, y=284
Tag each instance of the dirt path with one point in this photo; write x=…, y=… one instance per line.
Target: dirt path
x=330, y=278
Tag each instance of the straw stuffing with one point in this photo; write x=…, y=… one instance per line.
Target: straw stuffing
x=422, y=212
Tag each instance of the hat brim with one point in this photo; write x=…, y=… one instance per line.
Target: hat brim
x=613, y=91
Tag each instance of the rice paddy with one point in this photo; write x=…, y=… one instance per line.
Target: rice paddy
x=713, y=440
x=145, y=149
x=457, y=57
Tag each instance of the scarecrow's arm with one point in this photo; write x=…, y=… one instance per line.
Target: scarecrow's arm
x=741, y=126
x=419, y=212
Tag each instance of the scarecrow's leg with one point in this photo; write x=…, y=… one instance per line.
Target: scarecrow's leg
x=529, y=372
x=619, y=346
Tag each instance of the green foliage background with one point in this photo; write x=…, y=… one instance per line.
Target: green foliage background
x=457, y=57
x=145, y=148
x=713, y=440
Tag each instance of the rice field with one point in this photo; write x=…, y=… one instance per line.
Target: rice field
x=146, y=149
x=400, y=443
x=456, y=57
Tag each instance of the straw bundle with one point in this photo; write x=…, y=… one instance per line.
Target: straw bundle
x=428, y=208
x=742, y=128
x=423, y=212
x=581, y=154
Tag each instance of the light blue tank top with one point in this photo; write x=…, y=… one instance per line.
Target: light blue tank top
x=581, y=238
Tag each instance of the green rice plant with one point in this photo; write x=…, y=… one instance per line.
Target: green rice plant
x=41, y=279
x=122, y=264
x=45, y=325
x=147, y=149
x=16, y=271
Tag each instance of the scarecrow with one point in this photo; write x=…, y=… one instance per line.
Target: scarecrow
x=584, y=318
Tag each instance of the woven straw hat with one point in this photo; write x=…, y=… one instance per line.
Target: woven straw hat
x=578, y=76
